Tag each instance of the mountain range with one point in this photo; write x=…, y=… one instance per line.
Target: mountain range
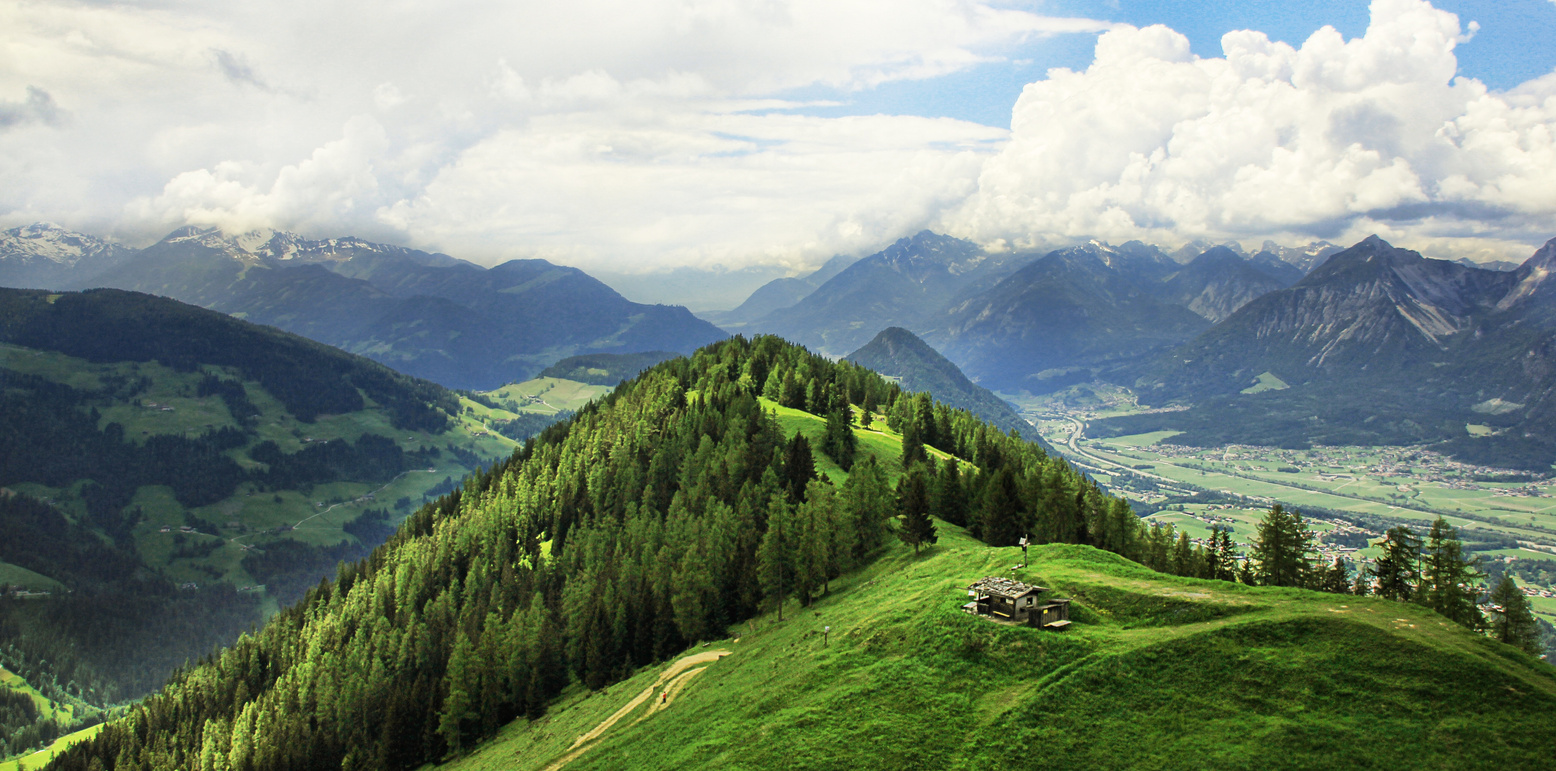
x=1377, y=345
x=428, y=315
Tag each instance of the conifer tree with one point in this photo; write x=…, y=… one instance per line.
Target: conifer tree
x=1448, y=580
x=949, y=500
x=1361, y=586
x=839, y=442
x=913, y=505
x=1336, y=579
x=912, y=449
x=1281, y=547
x=799, y=467
x=1397, y=569
x=1183, y=556
x=867, y=501
x=775, y=558
x=1000, y=510
x=457, y=699
x=1511, y=620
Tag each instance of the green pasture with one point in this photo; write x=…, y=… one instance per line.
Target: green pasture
x=1156, y=672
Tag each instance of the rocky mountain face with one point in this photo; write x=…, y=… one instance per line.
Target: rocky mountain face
x=1303, y=258
x=902, y=286
x=1370, y=307
x=1378, y=329
x=1219, y=282
x=1058, y=320
x=428, y=315
x=778, y=294
x=47, y=256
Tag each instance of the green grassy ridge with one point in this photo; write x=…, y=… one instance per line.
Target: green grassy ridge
x=40, y=759
x=1157, y=672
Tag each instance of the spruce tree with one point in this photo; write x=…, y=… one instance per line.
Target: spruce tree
x=913, y=504
x=950, y=499
x=1511, y=620
x=1448, y=580
x=799, y=467
x=1336, y=579
x=1000, y=510
x=1281, y=547
x=1397, y=569
x=912, y=449
x=1183, y=563
x=775, y=557
x=839, y=442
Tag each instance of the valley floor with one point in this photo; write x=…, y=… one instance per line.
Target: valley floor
x=1398, y=485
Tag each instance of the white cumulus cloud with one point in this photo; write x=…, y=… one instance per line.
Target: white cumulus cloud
x=1333, y=139
x=601, y=131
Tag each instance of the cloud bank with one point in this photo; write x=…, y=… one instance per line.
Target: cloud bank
x=604, y=132
x=634, y=135
x=1335, y=139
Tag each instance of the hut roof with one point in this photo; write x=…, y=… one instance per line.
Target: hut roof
x=1003, y=587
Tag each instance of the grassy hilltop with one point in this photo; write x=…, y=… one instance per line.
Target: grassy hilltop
x=1157, y=672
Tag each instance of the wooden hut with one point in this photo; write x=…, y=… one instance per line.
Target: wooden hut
x=1010, y=600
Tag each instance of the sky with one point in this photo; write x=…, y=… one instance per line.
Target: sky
x=633, y=136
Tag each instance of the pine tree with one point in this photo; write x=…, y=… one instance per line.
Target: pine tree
x=950, y=499
x=839, y=442
x=1448, y=580
x=1000, y=510
x=913, y=504
x=775, y=558
x=1281, y=548
x=1511, y=620
x=1336, y=579
x=1397, y=569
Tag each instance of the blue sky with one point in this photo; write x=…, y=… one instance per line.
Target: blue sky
x=1516, y=42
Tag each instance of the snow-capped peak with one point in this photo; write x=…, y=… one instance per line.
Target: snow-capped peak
x=47, y=241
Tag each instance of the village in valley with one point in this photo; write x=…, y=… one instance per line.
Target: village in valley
x=1348, y=496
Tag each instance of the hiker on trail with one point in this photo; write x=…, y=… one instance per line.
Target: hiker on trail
x=664, y=697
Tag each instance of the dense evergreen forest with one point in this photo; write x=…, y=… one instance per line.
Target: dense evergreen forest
x=116, y=625
x=654, y=518
x=309, y=378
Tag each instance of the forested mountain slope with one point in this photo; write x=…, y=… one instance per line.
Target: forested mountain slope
x=157, y=458
x=692, y=499
x=677, y=506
